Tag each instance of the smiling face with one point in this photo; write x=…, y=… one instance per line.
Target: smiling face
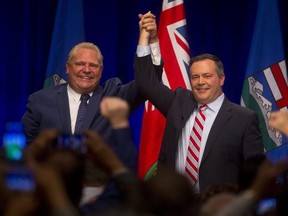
x=84, y=69
x=205, y=81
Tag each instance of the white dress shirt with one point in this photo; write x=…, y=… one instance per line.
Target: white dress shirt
x=183, y=142
x=74, y=103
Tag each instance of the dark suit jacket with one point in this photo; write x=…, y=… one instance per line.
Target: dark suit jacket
x=49, y=108
x=234, y=135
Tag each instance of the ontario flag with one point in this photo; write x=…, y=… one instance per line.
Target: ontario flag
x=265, y=88
x=175, y=54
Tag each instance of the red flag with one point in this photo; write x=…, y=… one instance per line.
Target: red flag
x=175, y=53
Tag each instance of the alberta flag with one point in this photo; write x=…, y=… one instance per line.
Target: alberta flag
x=175, y=53
x=68, y=31
x=265, y=88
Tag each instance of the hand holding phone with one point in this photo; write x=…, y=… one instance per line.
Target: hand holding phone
x=14, y=141
x=74, y=142
x=266, y=205
x=19, y=178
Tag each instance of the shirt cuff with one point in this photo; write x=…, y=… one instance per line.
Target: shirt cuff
x=143, y=51
x=153, y=49
x=155, y=53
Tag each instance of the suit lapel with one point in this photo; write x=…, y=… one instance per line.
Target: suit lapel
x=188, y=106
x=185, y=107
x=93, y=107
x=63, y=107
x=223, y=116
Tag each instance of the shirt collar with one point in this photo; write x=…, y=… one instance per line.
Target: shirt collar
x=216, y=104
x=74, y=95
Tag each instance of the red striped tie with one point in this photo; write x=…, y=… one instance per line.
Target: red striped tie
x=192, y=159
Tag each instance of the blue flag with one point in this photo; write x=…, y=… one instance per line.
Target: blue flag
x=68, y=31
x=265, y=86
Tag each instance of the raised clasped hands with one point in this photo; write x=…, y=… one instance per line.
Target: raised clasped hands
x=147, y=28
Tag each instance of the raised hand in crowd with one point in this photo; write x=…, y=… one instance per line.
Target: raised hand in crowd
x=279, y=121
x=102, y=154
x=263, y=186
x=116, y=111
x=48, y=170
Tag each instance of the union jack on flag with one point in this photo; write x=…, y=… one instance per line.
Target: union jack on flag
x=175, y=54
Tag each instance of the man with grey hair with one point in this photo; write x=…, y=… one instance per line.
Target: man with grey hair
x=73, y=107
x=57, y=106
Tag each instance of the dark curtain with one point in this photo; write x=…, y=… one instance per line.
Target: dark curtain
x=221, y=27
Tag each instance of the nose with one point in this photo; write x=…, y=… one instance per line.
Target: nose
x=87, y=69
x=201, y=80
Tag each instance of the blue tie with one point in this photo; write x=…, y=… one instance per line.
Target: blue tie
x=81, y=113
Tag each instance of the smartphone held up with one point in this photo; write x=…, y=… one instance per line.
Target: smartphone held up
x=17, y=176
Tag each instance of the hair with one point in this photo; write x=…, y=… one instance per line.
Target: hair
x=169, y=193
x=216, y=203
x=213, y=190
x=70, y=165
x=218, y=63
x=84, y=45
x=93, y=175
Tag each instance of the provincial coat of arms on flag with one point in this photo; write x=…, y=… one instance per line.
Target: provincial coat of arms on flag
x=265, y=88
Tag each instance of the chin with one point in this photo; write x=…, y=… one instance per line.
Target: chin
x=202, y=101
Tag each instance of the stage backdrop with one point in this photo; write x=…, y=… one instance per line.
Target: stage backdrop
x=220, y=27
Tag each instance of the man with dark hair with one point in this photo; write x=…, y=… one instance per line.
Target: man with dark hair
x=207, y=137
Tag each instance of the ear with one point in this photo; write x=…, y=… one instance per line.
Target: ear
x=101, y=70
x=222, y=79
x=67, y=67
